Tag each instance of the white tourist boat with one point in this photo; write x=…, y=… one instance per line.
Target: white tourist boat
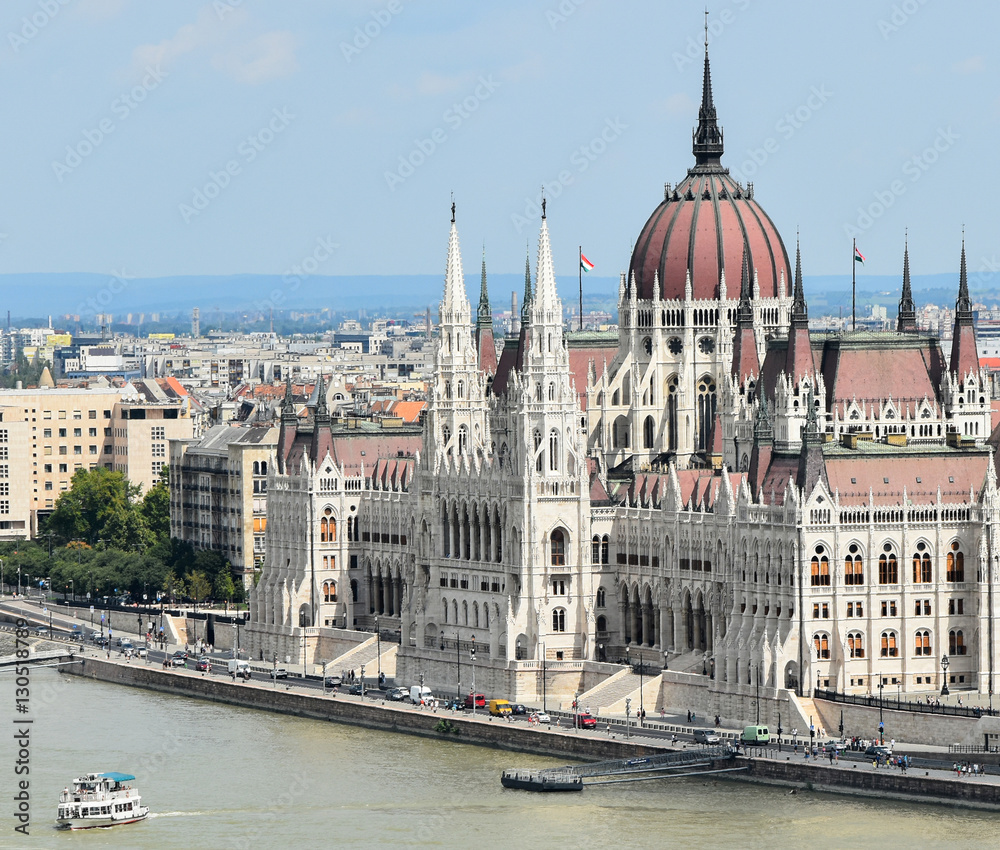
x=100, y=799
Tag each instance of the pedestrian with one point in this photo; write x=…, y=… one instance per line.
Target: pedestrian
x=609, y=728
x=689, y=715
x=830, y=751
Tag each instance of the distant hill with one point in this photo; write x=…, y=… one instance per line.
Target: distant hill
x=86, y=294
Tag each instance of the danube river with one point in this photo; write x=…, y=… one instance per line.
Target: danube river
x=221, y=777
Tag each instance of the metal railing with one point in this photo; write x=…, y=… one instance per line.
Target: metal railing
x=896, y=704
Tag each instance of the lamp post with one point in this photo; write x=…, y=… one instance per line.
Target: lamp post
x=628, y=711
x=274, y=672
x=881, y=723
x=944, y=675
x=544, y=703
x=472, y=658
x=363, y=683
x=666, y=653
x=303, y=653
x=378, y=641
x=757, y=678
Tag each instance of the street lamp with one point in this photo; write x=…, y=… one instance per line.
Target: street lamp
x=378, y=640
x=665, y=654
x=881, y=724
x=757, y=678
x=363, y=683
x=944, y=675
x=628, y=711
x=628, y=658
x=472, y=656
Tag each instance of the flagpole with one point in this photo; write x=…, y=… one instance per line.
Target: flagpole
x=854, y=285
x=579, y=271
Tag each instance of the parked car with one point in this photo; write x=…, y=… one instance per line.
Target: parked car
x=203, y=665
x=517, y=708
x=878, y=751
x=279, y=673
x=540, y=717
x=397, y=694
x=177, y=661
x=584, y=720
x=333, y=682
x=180, y=653
x=706, y=736
x=142, y=652
x=838, y=746
x=42, y=630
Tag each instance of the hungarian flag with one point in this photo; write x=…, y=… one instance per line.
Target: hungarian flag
x=585, y=264
x=858, y=256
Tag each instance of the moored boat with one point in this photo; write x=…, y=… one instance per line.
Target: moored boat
x=100, y=799
x=540, y=780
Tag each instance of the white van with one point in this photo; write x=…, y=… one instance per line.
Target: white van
x=238, y=668
x=421, y=695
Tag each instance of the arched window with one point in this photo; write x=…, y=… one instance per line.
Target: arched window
x=465, y=613
x=537, y=439
x=853, y=569
x=706, y=412
x=557, y=543
x=605, y=545
x=889, y=649
x=553, y=450
x=552, y=392
x=820, y=569
x=444, y=606
x=821, y=643
x=447, y=389
x=647, y=433
x=559, y=620
x=461, y=389
x=354, y=590
x=263, y=467
x=922, y=642
x=888, y=567
x=672, y=431
x=956, y=642
x=256, y=467
x=329, y=591
x=955, y=564
x=445, y=435
x=475, y=614
x=602, y=600
x=921, y=565
x=463, y=439
x=855, y=645
x=323, y=530
x=595, y=550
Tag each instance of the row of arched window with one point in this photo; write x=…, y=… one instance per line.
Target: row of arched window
x=450, y=614
x=328, y=527
x=888, y=644
x=888, y=566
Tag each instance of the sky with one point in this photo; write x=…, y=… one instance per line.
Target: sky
x=236, y=136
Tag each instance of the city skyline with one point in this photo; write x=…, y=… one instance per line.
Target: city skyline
x=232, y=137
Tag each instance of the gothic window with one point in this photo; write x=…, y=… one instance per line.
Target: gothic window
x=447, y=389
x=674, y=345
x=921, y=566
x=552, y=392
x=706, y=411
x=647, y=345
x=706, y=345
x=538, y=454
x=853, y=567
x=595, y=550
x=538, y=392
x=601, y=598
x=559, y=620
x=444, y=605
x=446, y=532
x=647, y=433
x=821, y=643
x=463, y=439
x=888, y=567
x=889, y=649
x=820, y=569
x=955, y=564
x=605, y=545
x=553, y=451
x=557, y=543
x=855, y=645
x=672, y=388
x=329, y=591
x=445, y=435
x=619, y=434
x=922, y=642
x=956, y=642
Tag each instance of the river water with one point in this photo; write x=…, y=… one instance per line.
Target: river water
x=222, y=777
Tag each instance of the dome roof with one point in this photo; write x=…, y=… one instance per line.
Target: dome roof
x=703, y=226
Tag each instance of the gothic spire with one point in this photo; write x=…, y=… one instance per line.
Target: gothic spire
x=454, y=280
x=964, y=352
x=744, y=312
x=485, y=315
x=964, y=303
x=288, y=405
x=907, y=320
x=545, y=276
x=707, y=136
x=799, y=310
x=526, y=301
x=321, y=408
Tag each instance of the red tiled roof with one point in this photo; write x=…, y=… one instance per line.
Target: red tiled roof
x=879, y=373
x=955, y=473
x=579, y=366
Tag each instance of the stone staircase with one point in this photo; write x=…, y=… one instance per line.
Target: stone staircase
x=690, y=662
x=615, y=687
x=366, y=654
x=806, y=710
x=650, y=696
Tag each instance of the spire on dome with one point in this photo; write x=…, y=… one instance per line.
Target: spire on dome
x=744, y=311
x=799, y=357
x=746, y=364
x=288, y=405
x=484, y=316
x=528, y=296
x=707, y=136
x=907, y=320
x=964, y=303
x=454, y=279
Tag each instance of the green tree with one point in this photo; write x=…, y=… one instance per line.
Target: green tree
x=224, y=587
x=100, y=505
x=155, y=508
x=199, y=587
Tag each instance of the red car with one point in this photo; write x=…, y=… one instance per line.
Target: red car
x=586, y=721
x=203, y=664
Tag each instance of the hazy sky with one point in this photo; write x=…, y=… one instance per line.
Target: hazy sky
x=182, y=137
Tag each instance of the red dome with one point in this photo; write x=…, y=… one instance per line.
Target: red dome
x=702, y=228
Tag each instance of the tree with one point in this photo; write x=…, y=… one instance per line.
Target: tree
x=199, y=586
x=100, y=505
x=224, y=588
x=155, y=507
